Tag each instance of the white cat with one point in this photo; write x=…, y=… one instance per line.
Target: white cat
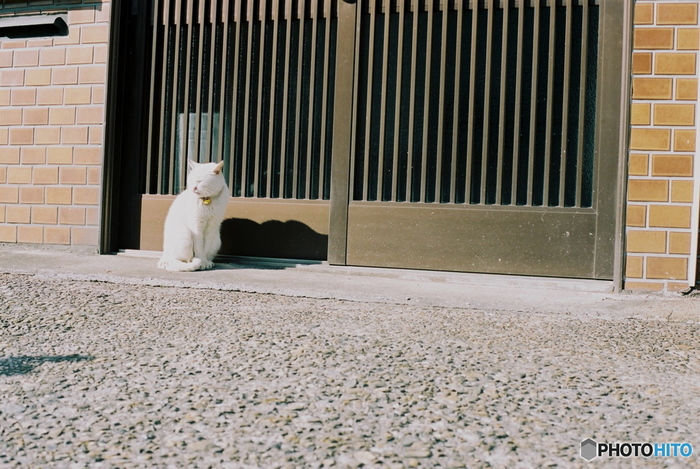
x=191, y=235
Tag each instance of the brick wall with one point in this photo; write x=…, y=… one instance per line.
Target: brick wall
x=52, y=94
x=663, y=144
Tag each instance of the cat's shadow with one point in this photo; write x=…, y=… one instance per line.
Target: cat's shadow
x=271, y=240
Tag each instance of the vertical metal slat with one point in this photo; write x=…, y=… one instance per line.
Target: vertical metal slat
x=455, y=117
x=297, y=117
x=397, y=106
x=285, y=99
x=324, y=97
x=382, y=119
x=273, y=84
x=533, y=104
x=502, y=106
x=222, y=81
x=368, y=103
x=441, y=108
x=426, y=105
x=487, y=105
x=257, y=155
x=565, y=112
x=518, y=101
x=472, y=98
x=246, y=101
x=582, y=106
x=234, y=92
x=151, y=101
x=312, y=98
x=550, y=102
x=198, y=85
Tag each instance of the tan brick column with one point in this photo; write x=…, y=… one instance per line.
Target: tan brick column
x=52, y=94
x=663, y=144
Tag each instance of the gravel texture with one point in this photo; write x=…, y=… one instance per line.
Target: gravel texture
x=107, y=375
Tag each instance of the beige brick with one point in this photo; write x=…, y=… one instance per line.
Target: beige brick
x=674, y=114
x=19, y=175
x=647, y=190
x=9, y=155
x=652, y=88
x=678, y=63
x=667, y=268
x=45, y=175
x=21, y=136
x=669, y=216
x=78, y=95
x=49, y=96
x=17, y=214
x=650, y=139
x=31, y=195
x=634, y=267
x=95, y=135
x=646, y=241
x=682, y=191
x=74, y=135
x=71, y=216
x=33, y=155
x=84, y=235
x=677, y=13
x=73, y=38
x=11, y=117
x=3, y=176
x=52, y=56
x=676, y=286
x=94, y=34
x=641, y=114
x=11, y=77
x=641, y=63
x=79, y=55
x=59, y=195
x=636, y=215
x=26, y=58
x=64, y=76
x=653, y=38
x=57, y=235
x=8, y=233
x=684, y=140
x=5, y=58
x=90, y=114
x=72, y=175
x=93, y=175
x=43, y=215
x=49, y=136
x=638, y=164
x=24, y=97
x=98, y=94
x=688, y=39
x=81, y=16
x=91, y=74
x=687, y=89
x=36, y=116
x=672, y=165
x=644, y=286
x=103, y=15
x=9, y=195
x=37, y=77
x=679, y=243
x=644, y=13
x=62, y=115
x=86, y=196
x=4, y=97
x=88, y=155
x=4, y=135
x=59, y=155
x=92, y=216
x=101, y=54
x=30, y=234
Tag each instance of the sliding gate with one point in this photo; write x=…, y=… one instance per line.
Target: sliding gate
x=479, y=136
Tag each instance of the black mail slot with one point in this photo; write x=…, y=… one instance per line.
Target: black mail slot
x=19, y=27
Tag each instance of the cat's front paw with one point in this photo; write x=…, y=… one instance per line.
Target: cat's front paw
x=206, y=265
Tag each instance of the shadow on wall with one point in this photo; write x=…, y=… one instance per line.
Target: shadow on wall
x=288, y=240
x=12, y=366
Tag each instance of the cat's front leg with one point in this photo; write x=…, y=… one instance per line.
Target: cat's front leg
x=212, y=244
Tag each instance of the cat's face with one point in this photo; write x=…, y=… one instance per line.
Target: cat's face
x=205, y=180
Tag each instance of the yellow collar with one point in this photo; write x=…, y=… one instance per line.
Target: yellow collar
x=205, y=200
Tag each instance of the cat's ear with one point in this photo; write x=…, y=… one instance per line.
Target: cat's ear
x=191, y=164
x=219, y=167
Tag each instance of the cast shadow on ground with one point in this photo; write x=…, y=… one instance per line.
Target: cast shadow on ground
x=272, y=239
x=23, y=365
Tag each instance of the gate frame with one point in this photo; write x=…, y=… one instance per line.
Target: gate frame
x=612, y=130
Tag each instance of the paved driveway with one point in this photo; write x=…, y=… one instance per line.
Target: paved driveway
x=96, y=374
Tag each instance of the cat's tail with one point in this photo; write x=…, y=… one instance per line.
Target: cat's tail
x=175, y=265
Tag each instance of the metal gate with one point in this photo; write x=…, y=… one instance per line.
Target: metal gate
x=480, y=136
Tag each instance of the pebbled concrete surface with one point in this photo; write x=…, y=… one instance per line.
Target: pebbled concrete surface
x=106, y=361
